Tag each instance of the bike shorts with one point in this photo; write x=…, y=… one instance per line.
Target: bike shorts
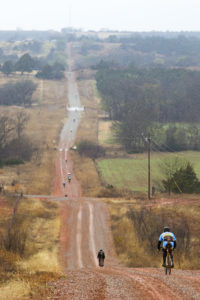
x=165, y=244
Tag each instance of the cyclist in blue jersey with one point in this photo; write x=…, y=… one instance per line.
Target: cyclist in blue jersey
x=164, y=237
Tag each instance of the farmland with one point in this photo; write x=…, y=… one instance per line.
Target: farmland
x=131, y=173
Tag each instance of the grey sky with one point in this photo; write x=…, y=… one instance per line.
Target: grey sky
x=135, y=15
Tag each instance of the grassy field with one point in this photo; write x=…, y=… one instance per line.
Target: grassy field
x=131, y=173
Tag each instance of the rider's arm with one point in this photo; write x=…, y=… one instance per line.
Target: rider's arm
x=160, y=240
x=159, y=243
x=174, y=238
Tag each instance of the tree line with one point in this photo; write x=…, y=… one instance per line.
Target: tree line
x=27, y=64
x=17, y=93
x=157, y=101
x=181, y=50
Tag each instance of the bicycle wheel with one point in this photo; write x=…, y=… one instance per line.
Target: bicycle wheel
x=168, y=264
x=165, y=270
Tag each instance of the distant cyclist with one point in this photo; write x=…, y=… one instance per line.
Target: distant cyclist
x=64, y=184
x=164, y=240
x=101, y=257
x=69, y=177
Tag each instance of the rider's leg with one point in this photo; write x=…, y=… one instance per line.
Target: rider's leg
x=164, y=257
x=172, y=259
x=171, y=254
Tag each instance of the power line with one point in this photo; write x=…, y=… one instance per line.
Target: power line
x=164, y=147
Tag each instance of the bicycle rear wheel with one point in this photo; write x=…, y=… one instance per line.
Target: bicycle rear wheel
x=165, y=270
x=168, y=264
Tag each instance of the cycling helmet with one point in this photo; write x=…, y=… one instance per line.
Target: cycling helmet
x=166, y=229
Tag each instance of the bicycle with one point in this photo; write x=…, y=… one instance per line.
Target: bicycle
x=169, y=262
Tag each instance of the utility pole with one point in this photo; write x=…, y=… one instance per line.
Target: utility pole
x=149, y=167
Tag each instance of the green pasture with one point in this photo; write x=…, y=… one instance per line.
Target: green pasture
x=131, y=173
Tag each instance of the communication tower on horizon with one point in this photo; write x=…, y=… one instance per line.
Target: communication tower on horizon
x=70, y=15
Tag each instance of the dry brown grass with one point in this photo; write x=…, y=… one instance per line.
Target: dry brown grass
x=87, y=175
x=88, y=129
x=28, y=275
x=104, y=132
x=46, y=120
x=46, y=123
x=125, y=238
x=24, y=276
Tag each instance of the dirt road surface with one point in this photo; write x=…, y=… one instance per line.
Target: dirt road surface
x=86, y=229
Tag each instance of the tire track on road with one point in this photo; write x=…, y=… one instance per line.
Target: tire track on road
x=152, y=288
x=91, y=233
x=79, y=238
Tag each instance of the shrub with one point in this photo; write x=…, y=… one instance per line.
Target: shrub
x=25, y=63
x=22, y=150
x=7, y=67
x=18, y=93
x=90, y=149
x=10, y=162
x=51, y=72
x=183, y=180
x=13, y=161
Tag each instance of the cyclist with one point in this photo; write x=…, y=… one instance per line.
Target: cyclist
x=164, y=237
x=69, y=177
x=101, y=257
x=64, y=183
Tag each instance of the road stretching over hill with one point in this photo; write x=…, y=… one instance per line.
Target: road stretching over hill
x=86, y=229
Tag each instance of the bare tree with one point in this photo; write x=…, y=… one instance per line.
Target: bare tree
x=13, y=143
x=21, y=120
x=7, y=129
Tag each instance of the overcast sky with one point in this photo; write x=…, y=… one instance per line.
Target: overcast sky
x=134, y=15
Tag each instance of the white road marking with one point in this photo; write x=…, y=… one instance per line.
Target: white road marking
x=79, y=238
x=91, y=231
